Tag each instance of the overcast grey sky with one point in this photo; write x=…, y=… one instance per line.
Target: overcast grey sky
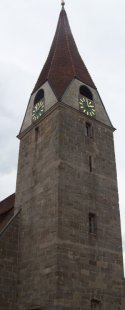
x=27, y=28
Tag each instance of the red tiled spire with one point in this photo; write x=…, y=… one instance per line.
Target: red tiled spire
x=64, y=61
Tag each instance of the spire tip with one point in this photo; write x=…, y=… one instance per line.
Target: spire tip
x=62, y=3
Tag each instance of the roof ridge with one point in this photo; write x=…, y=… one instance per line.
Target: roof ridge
x=68, y=45
x=9, y=222
x=59, y=25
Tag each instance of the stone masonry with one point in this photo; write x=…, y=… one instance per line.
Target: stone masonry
x=60, y=235
x=62, y=264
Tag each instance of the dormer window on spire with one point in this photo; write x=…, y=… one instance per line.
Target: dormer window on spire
x=84, y=91
x=39, y=105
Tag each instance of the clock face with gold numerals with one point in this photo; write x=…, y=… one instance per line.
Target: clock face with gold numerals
x=87, y=106
x=38, y=110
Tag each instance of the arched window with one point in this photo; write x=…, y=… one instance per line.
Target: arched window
x=84, y=91
x=39, y=96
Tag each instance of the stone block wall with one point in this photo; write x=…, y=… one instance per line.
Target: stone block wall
x=62, y=265
x=90, y=265
x=9, y=243
x=37, y=196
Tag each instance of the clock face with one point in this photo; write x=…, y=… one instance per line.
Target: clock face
x=38, y=110
x=87, y=106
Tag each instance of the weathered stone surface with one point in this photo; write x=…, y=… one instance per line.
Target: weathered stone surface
x=62, y=265
x=90, y=266
x=37, y=196
x=9, y=266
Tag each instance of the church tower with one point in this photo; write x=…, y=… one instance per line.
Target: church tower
x=69, y=247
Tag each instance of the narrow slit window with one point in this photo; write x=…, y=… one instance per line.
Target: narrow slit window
x=92, y=223
x=95, y=305
x=90, y=164
x=88, y=130
x=36, y=133
x=33, y=309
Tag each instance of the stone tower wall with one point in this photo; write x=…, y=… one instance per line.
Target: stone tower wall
x=37, y=196
x=90, y=265
x=63, y=265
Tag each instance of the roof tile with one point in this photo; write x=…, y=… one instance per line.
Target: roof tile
x=64, y=61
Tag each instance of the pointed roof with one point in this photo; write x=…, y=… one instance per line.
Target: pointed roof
x=6, y=211
x=64, y=61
